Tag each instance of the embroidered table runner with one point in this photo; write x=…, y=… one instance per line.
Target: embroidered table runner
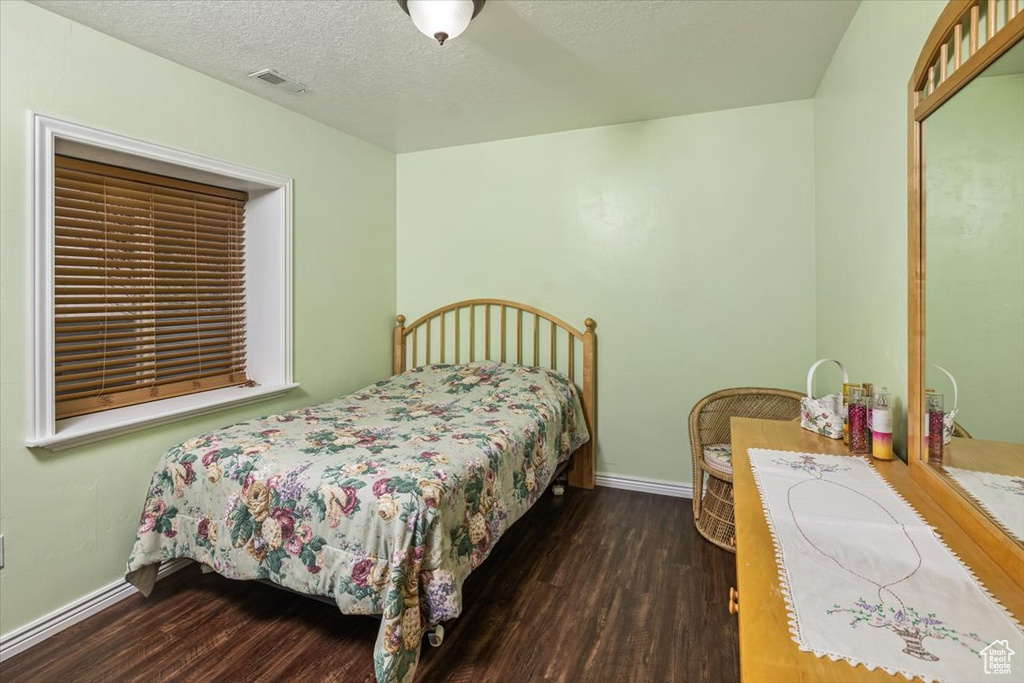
x=1000, y=494
x=868, y=581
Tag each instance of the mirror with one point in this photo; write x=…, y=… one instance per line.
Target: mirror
x=973, y=217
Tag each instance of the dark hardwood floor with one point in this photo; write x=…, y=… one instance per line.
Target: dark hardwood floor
x=602, y=585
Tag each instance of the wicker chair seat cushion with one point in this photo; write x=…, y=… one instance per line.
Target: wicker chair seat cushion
x=718, y=457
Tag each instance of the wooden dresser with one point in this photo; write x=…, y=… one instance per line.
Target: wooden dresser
x=767, y=650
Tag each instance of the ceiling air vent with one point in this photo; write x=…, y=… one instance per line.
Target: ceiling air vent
x=278, y=80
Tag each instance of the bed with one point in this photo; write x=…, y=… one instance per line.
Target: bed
x=385, y=500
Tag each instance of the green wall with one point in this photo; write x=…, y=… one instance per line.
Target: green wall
x=974, y=194
x=689, y=240
x=860, y=180
x=67, y=518
x=721, y=249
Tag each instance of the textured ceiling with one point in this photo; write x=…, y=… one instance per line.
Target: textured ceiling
x=522, y=68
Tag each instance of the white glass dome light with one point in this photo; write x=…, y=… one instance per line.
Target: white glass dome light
x=441, y=19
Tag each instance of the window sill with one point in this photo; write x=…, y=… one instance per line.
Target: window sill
x=75, y=431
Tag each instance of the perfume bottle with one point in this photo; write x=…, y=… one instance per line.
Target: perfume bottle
x=869, y=393
x=857, y=416
x=934, y=417
x=927, y=393
x=846, y=419
x=881, y=425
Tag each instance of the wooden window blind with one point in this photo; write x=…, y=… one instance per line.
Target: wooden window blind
x=149, y=287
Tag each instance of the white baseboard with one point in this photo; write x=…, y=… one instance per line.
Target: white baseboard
x=53, y=623
x=656, y=486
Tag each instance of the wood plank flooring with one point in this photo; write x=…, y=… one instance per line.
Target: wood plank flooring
x=601, y=586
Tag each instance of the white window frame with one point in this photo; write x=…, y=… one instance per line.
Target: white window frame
x=268, y=306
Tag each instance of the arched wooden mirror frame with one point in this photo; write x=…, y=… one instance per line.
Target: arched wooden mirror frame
x=968, y=37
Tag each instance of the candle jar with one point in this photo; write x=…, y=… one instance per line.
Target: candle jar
x=880, y=418
x=934, y=419
x=857, y=415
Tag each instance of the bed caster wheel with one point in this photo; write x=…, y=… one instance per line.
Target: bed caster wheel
x=435, y=636
x=558, y=489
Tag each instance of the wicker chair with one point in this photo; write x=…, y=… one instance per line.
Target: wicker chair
x=711, y=449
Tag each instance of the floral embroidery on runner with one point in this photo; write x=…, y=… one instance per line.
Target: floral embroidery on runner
x=848, y=545
x=808, y=464
x=908, y=625
x=1014, y=486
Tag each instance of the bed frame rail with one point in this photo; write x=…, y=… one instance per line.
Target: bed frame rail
x=509, y=332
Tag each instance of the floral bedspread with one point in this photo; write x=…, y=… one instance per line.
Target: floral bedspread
x=383, y=500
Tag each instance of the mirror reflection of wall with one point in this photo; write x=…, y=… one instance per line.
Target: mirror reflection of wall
x=974, y=221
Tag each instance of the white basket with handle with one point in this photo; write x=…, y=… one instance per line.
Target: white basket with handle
x=949, y=417
x=823, y=415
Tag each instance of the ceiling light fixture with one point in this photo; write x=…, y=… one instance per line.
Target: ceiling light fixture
x=441, y=19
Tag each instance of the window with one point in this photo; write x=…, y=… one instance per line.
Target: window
x=149, y=287
x=162, y=284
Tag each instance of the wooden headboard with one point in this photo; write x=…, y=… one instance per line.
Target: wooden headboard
x=509, y=332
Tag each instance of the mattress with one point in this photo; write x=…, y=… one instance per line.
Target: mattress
x=384, y=500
